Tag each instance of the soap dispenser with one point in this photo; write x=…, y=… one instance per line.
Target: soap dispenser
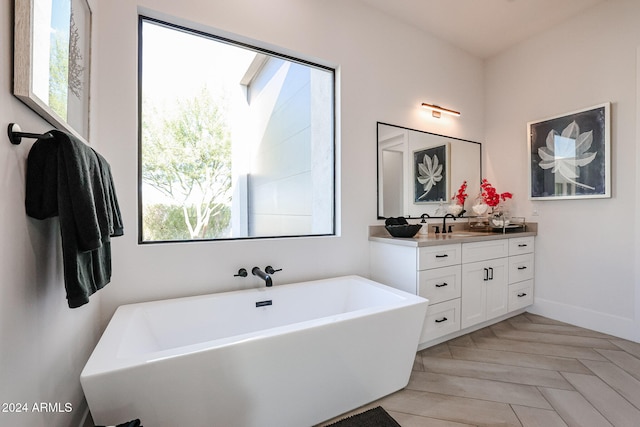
x=424, y=230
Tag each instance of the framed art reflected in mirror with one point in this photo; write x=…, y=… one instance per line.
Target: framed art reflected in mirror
x=52, y=56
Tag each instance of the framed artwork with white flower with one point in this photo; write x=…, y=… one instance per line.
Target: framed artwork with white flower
x=430, y=174
x=570, y=155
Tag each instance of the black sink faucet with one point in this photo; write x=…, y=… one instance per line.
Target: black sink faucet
x=444, y=222
x=261, y=274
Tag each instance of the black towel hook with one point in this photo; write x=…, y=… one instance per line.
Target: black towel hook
x=16, y=134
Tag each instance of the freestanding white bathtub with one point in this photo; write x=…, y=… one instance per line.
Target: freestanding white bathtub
x=290, y=355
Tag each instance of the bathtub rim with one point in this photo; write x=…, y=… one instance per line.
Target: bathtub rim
x=104, y=358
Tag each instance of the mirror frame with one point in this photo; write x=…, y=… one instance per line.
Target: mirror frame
x=23, y=68
x=378, y=190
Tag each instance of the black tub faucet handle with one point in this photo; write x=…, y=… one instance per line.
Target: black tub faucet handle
x=270, y=270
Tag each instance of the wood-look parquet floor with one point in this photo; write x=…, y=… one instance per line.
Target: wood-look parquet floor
x=525, y=371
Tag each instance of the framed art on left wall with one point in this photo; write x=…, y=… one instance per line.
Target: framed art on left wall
x=52, y=58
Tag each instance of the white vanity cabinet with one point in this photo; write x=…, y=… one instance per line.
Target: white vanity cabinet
x=468, y=284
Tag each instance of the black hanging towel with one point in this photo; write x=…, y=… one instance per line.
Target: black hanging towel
x=67, y=178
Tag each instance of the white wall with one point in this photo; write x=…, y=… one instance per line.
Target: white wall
x=43, y=344
x=385, y=70
x=586, y=249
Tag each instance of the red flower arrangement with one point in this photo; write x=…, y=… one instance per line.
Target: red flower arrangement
x=490, y=196
x=461, y=196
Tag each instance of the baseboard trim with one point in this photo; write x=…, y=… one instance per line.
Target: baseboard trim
x=586, y=318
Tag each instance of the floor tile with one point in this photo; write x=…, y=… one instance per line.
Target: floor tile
x=417, y=363
x=539, y=348
x=535, y=318
x=630, y=347
x=408, y=420
x=614, y=407
x=626, y=361
x=504, y=331
x=512, y=358
x=439, y=350
x=451, y=408
x=464, y=341
x=618, y=379
x=574, y=409
x=557, y=329
x=534, y=417
x=496, y=372
x=475, y=388
x=482, y=333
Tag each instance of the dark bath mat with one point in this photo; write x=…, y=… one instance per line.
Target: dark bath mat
x=376, y=417
x=134, y=423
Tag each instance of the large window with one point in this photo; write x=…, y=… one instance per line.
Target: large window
x=235, y=141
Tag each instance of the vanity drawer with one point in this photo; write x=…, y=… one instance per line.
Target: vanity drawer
x=439, y=256
x=440, y=284
x=521, y=245
x=441, y=319
x=520, y=268
x=520, y=294
x=481, y=251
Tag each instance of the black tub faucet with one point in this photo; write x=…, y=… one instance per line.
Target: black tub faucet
x=261, y=274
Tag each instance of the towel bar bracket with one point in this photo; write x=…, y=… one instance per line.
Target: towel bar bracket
x=16, y=134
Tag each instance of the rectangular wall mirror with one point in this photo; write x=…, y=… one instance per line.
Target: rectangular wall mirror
x=418, y=170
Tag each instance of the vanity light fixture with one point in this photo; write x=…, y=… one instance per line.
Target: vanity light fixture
x=436, y=110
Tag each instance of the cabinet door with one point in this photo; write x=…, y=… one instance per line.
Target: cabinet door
x=473, y=293
x=484, y=291
x=497, y=289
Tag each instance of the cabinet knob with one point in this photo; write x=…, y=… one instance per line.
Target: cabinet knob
x=522, y=245
x=442, y=256
x=522, y=295
x=442, y=285
x=522, y=267
x=444, y=319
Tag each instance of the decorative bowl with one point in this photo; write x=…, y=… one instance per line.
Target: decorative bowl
x=454, y=209
x=403, y=230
